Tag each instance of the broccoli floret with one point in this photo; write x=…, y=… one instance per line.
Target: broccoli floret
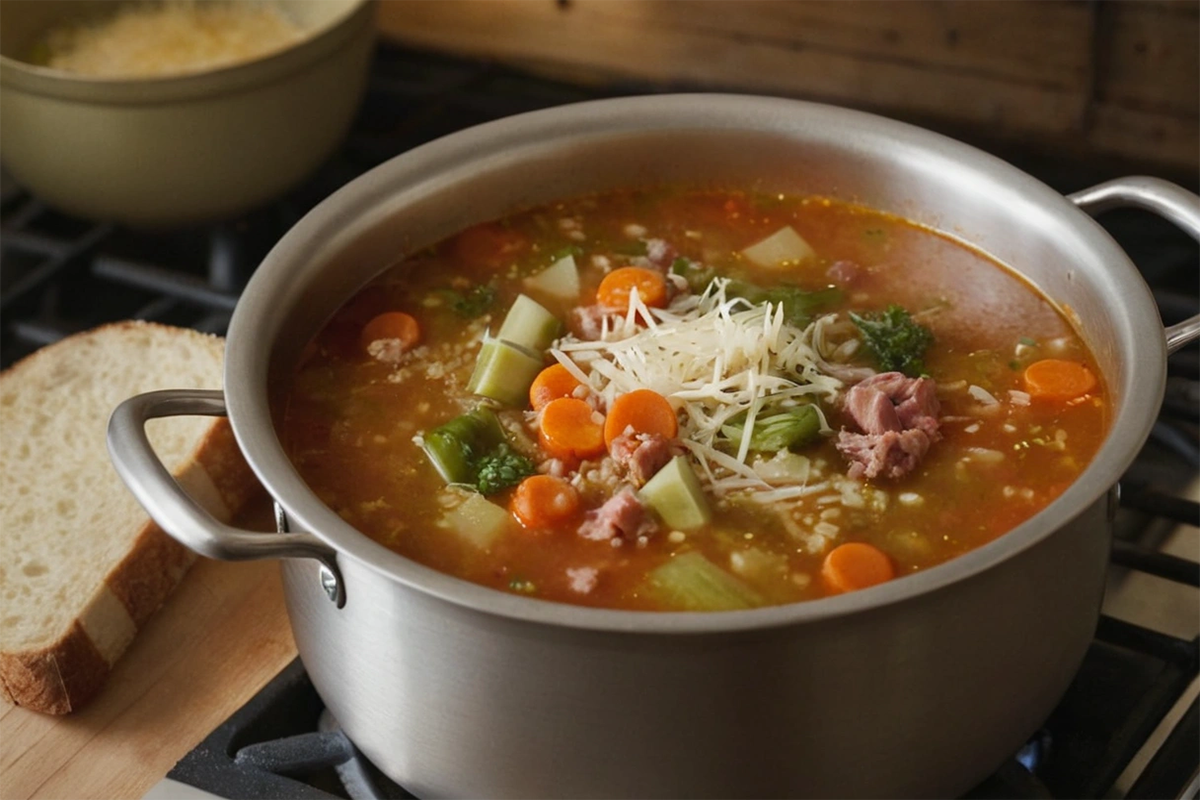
x=898, y=343
x=502, y=468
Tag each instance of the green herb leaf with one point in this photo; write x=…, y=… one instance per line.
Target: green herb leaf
x=635, y=248
x=502, y=468
x=476, y=301
x=573, y=250
x=798, y=304
x=896, y=342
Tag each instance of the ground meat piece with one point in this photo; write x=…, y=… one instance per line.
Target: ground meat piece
x=844, y=273
x=388, y=351
x=622, y=515
x=660, y=253
x=583, y=579
x=589, y=321
x=898, y=416
x=642, y=454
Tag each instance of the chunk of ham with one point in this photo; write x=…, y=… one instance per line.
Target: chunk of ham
x=899, y=419
x=622, y=516
x=660, y=253
x=583, y=579
x=641, y=454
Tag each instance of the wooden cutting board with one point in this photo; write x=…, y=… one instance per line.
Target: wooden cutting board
x=218, y=639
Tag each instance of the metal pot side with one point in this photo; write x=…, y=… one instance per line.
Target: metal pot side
x=921, y=698
x=182, y=150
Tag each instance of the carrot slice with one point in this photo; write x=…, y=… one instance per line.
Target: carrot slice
x=617, y=285
x=645, y=410
x=489, y=245
x=571, y=429
x=1058, y=380
x=553, y=382
x=856, y=565
x=391, y=325
x=542, y=501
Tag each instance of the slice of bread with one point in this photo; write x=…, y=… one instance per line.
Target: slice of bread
x=82, y=567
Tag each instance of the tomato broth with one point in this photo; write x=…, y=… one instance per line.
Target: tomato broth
x=693, y=400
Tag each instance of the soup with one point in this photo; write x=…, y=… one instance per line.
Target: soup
x=692, y=400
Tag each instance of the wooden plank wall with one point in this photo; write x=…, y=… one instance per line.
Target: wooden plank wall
x=1114, y=77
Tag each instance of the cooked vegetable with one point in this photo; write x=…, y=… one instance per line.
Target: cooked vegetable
x=645, y=411
x=502, y=468
x=571, y=429
x=504, y=372
x=473, y=450
x=455, y=447
x=1058, y=380
x=553, y=382
x=690, y=582
x=798, y=304
x=471, y=303
x=856, y=565
x=790, y=429
x=675, y=494
x=529, y=325
x=542, y=501
x=782, y=248
x=617, y=285
x=697, y=275
x=560, y=279
x=897, y=342
x=392, y=325
x=478, y=521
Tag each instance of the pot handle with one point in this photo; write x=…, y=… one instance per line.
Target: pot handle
x=180, y=515
x=1164, y=198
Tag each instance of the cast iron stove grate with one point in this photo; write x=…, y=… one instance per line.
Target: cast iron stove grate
x=59, y=275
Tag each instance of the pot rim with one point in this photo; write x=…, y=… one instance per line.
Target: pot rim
x=348, y=210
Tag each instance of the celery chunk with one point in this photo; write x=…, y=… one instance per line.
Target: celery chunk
x=504, y=372
x=676, y=496
x=529, y=325
x=453, y=447
x=478, y=521
x=690, y=582
x=559, y=280
x=782, y=248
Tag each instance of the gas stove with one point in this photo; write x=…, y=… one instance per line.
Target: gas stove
x=1129, y=726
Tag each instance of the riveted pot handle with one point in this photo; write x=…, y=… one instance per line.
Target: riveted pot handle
x=1164, y=198
x=173, y=509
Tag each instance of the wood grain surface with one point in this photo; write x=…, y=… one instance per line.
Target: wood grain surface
x=219, y=638
x=1119, y=78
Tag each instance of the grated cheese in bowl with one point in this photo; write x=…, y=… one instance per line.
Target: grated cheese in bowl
x=713, y=357
x=179, y=37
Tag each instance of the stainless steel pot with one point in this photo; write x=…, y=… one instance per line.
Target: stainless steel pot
x=917, y=687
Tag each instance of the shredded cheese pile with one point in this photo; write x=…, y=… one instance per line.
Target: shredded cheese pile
x=713, y=357
x=144, y=40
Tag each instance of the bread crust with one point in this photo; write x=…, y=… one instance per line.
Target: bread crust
x=56, y=679
x=63, y=676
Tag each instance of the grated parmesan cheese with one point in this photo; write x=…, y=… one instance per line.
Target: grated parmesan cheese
x=148, y=40
x=713, y=357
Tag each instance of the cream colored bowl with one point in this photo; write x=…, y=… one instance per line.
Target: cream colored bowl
x=159, y=152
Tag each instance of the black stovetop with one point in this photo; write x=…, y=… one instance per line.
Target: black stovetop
x=59, y=275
